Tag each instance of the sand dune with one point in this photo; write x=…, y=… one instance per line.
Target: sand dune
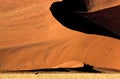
x=31, y=38
x=91, y=5
x=103, y=4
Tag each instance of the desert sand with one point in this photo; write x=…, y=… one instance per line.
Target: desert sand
x=92, y=5
x=31, y=38
x=102, y=4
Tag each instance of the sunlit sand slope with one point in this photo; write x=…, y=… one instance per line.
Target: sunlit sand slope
x=31, y=38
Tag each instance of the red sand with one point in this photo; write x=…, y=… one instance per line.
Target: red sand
x=31, y=38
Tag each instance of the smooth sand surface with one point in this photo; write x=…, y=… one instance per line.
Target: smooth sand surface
x=31, y=38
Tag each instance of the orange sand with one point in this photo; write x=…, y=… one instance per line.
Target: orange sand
x=31, y=38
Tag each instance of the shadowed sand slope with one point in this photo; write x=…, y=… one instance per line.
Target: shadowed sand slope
x=31, y=38
x=91, y=5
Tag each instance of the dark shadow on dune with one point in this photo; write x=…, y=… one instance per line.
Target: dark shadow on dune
x=85, y=69
x=64, y=13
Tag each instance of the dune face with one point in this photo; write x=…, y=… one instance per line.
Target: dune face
x=103, y=4
x=31, y=38
x=90, y=5
x=108, y=18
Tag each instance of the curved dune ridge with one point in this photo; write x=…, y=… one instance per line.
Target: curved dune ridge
x=31, y=38
x=102, y=4
x=91, y=5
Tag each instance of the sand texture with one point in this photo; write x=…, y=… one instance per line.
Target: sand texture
x=32, y=38
x=102, y=4
x=91, y=5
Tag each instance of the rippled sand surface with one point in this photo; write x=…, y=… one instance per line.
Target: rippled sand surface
x=31, y=38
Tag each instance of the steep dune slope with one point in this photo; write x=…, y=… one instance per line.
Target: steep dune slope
x=31, y=38
x=103, y=4
x=91, y=5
